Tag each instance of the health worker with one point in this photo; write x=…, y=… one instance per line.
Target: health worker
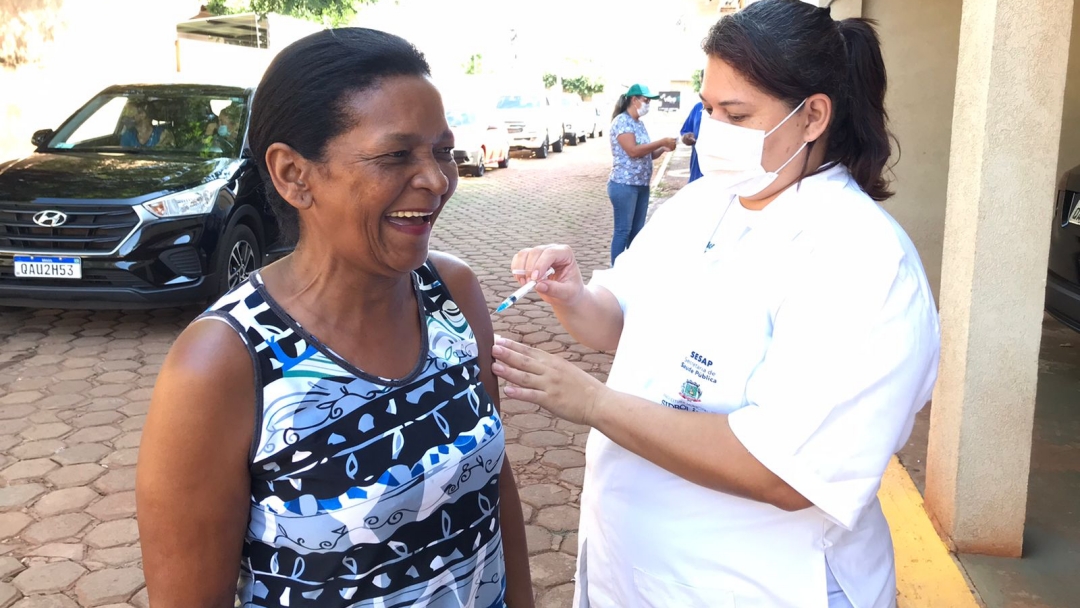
x=775, y=337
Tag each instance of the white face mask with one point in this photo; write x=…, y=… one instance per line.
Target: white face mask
x=643, y=110
x=735, y=155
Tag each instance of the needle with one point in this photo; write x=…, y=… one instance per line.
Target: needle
x=526, y=288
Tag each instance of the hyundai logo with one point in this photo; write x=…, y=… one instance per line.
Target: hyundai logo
x=50, y=219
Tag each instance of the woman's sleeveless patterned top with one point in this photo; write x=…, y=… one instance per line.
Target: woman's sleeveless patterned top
x=367, y=491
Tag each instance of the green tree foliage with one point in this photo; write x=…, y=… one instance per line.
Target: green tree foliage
x=475, y=65
x=327, y=12
x=582, y=85
x=698, y=75
x=550, y=80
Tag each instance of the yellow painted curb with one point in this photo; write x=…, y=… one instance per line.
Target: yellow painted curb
x=926, y=574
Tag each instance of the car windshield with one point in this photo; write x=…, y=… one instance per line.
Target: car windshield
x=513, y=102
x=179, y=123
x=460, y=119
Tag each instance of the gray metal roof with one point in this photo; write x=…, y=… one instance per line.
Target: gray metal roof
x=246, y=29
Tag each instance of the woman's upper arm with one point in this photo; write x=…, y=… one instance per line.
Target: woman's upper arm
x=467, y=293
x=193, y=481
x=628, y=141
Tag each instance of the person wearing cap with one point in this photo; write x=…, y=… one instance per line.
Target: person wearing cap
x=775, y=335
x=633, y=152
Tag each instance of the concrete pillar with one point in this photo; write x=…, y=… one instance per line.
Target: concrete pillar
x=1006, y=126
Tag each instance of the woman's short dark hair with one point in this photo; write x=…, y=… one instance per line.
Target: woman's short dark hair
x=302, y=98
x=792, y=50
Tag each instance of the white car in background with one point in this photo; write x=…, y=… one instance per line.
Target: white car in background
x=578, y=117
x=600, y=118
x=533, y=121
x=480, y=139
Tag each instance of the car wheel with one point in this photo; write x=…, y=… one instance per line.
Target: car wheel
x=239, y=257
x=557, y=145
x=505, y=162
x=581, y=139
x=478, y=170
x=542, y=151
x=572, y=140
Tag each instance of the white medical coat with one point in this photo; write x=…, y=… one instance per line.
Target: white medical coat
x=812, y=325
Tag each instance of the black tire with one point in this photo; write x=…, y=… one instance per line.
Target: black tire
x=505, y=162
x=238, y=257
x=583, y=139
x=542, y=151
x=572, y=140
x=557, y=146
x=478, y=170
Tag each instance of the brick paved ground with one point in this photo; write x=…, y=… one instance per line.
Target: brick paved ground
x=75, y=385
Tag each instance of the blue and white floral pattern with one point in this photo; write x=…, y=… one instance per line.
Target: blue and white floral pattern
x=626, y=170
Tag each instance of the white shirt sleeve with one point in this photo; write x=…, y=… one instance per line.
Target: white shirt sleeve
x=853, y=357
x=634, y=265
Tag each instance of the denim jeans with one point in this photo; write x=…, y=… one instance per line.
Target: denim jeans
x=630, y=204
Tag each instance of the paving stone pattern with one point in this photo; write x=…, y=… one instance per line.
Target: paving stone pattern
x=75, y=386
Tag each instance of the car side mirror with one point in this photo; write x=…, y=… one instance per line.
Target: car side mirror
x=42, y=137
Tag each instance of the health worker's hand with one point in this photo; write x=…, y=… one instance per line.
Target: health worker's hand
x=548, y=381
x=561, y=288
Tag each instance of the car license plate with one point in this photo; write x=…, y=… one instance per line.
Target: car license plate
x=48, y=267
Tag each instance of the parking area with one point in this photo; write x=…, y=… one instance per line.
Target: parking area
x=75, y=387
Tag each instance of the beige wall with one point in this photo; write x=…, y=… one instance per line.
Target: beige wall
x=844, y=9
x=921, y=43
x=1070, y=126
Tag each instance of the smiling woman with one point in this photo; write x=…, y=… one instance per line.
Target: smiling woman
x=330, y=440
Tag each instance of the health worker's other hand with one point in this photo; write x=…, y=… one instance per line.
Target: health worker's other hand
x=561, y=288
x=548, y=381
x=689, y=139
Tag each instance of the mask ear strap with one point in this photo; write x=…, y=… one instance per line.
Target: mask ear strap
x=793, y=112
x=796, y=155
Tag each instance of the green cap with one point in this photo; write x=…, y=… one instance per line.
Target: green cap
x=640, y=90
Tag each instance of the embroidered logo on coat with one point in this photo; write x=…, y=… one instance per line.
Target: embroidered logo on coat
x=691, y=391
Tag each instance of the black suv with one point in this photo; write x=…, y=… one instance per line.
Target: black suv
x=145, y=197
x=1063, y=275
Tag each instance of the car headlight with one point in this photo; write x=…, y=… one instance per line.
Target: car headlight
x=196, y=201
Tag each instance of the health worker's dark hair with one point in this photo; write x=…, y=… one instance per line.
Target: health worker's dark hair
x=791, y=50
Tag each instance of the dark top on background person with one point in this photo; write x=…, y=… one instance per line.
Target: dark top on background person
x=689, y=132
